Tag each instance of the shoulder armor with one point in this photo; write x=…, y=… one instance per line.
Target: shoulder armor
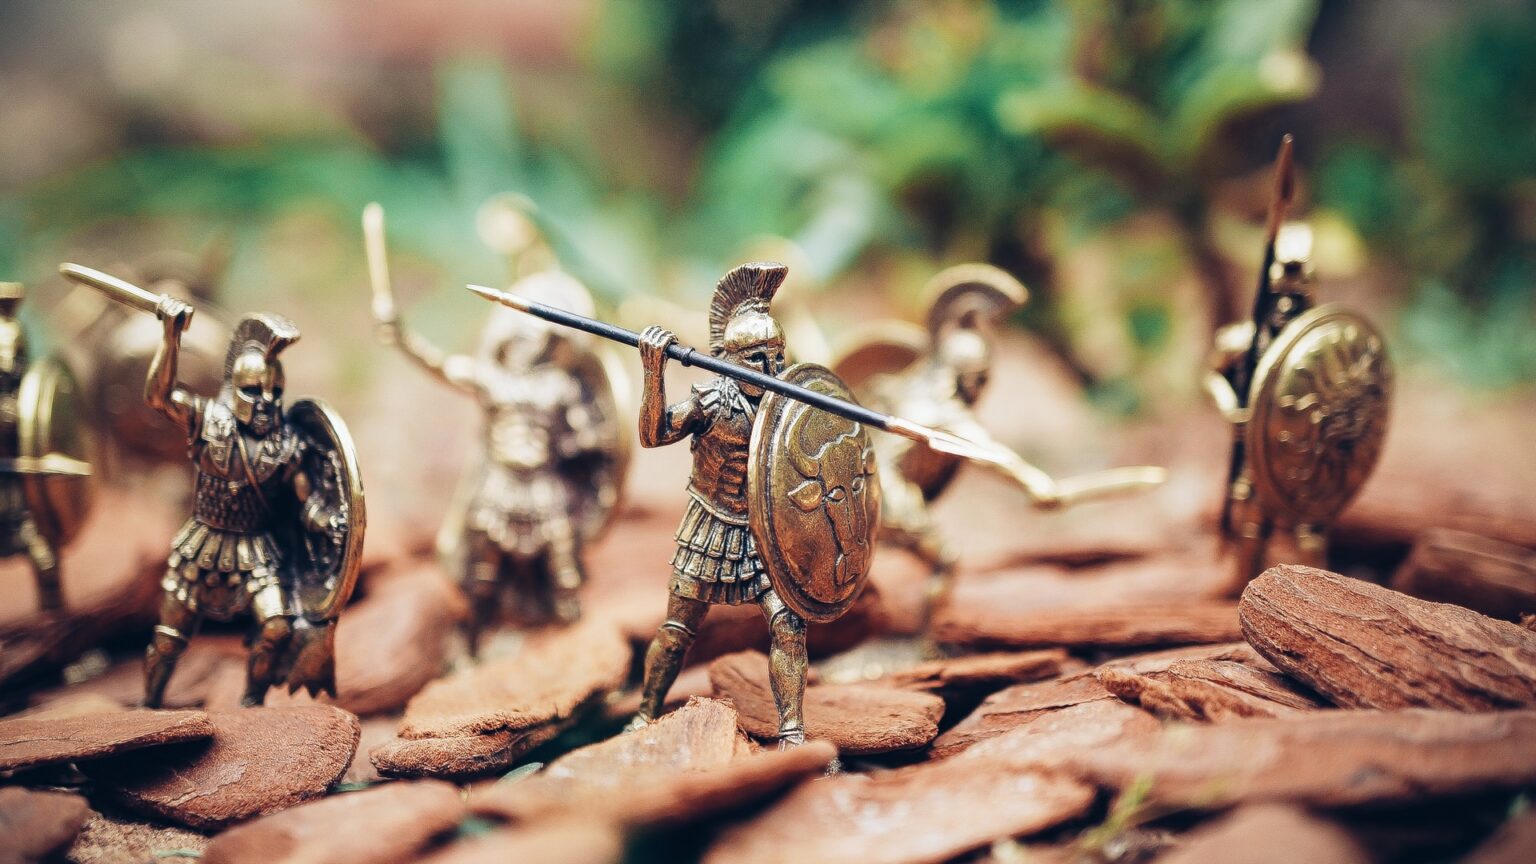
x=218, y=433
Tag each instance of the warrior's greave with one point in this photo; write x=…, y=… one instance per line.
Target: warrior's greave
x=45, y=567
x=663, y=660
x=261, y=669
x=787, y=661
x=160, y=661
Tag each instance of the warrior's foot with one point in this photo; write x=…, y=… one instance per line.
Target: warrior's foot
x=791, y=739
x=567, y=610
x=636, y=723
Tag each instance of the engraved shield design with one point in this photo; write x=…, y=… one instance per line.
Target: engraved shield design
x=1320, y=401
x=814, y=498
x=48, y=426
x=323, y=564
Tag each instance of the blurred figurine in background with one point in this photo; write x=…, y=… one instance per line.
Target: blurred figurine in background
x=935, y=376
x=1307, y=390
x=553, y=457
x=277, y=511
x=45, y=490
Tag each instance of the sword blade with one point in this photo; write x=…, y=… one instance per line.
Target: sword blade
x=121, y=290
x=1114, y=481
x=378, y=262
x=53, y=463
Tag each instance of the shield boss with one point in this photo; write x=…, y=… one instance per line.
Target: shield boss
x=1320, y=400
x=813, y=498
x=48, y=422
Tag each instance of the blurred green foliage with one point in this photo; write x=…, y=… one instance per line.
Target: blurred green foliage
x=1088, y=145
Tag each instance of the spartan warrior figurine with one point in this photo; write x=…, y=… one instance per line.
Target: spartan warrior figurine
x=44, y=493
x=552, y=456
x=936, y=375
x=1306, y=389
x=277, y=510
x=717, y=559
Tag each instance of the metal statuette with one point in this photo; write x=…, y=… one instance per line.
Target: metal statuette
x=1307, y=390
x=278, y=514
x=548, y=477
x=45, y=475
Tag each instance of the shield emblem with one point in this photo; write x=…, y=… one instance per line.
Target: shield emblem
x=323, y=564
x=814, y=498
x=1320, y=399
x=49, y=429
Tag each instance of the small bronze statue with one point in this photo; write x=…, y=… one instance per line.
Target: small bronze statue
x=45, y=491
x=936, y=375
x=553, y=459
x=1307, y=390
x=784, y=499
x=277, y=514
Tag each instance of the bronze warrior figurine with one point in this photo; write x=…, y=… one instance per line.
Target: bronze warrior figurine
x=44, y=478
x=1307, y=390
x=277, y=512
x=552, y=459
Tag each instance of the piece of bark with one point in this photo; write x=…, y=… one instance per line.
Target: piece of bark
x=261, y=760
x=110, y=839
x=1208, y=690
x=979, y=674
x=207, y=658
x=552, y=841
x=68, y=705
x=35, y=826
x=924, y=813
x=859, y=719
x=692, y=681
x=1513, y=843
x=1326, y=758
x=975, y=623
x=111, y=582
x=1365, y=646
x=1160, y=661
x=385, y=824
x=686, y=766
x=1485, y=575
x=31, y=742
x=459, y=756
x=1269, y=834
x=375, y=732
x=1012, y=707
x=553, y=673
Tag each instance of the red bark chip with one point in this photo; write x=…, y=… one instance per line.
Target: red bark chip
x=381, y=825
x=260, y=760
x=31, y=742
x=1269, y=834
x=1213, y=690
x=459, y=756
x=857, y=718
x=565, y=841
x=1365, y=646
x=35, y=826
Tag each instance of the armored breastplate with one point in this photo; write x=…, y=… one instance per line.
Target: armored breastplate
x=720, y=452
x=234, y=479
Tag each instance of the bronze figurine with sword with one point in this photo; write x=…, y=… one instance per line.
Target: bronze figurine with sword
x=1307, y=390
x=277, y=523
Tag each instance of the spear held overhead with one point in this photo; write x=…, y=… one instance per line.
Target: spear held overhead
x=939, y=440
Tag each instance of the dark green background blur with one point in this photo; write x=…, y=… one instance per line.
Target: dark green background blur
x=1112, y=154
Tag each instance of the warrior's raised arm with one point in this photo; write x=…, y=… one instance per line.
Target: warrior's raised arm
x=662, y=424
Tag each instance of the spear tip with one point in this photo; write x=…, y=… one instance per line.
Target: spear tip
x=503, y=297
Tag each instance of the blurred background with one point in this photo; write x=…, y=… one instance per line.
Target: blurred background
x=1113, y=154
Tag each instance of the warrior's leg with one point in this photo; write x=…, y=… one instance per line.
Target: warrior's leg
x=787, y=661
x=1312, y=545
x=482, y=587
x=1251, y=544
x=664, y=659
x=563, y=560
x=45, y=566
x=177, y=622
x=275, y=626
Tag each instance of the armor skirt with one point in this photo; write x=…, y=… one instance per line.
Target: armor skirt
x=520, y=513
x=217, y=573
x=716, y=559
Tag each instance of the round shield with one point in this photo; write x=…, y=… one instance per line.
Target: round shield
x=49, y=429
x=814, y=498
x=325, y=562
x=1320, y=399
x=882, y=348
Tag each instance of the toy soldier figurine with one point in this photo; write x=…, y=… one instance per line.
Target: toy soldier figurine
x=44, y=489
x=1307, y=391
x=553, y=459
x=936, y=375
x=783, y=501
x=277, y=512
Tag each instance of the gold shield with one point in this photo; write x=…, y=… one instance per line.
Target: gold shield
x=48, y=426
x=323, y=565
x=1320, y=400
x=813, y=498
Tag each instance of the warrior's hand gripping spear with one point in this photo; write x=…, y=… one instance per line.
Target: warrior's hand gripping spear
x=1049, y=492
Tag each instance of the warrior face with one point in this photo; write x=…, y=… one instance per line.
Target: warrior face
x=968, y=354
x=755, y=340
x=258, y=392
